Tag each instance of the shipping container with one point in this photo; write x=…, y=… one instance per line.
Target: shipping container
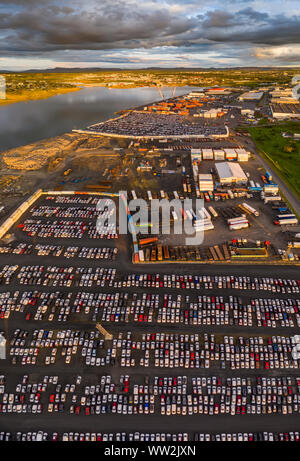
x=286, y=222
x=147, y=241
x=213, y=212
x=166, y=252
x=159, y=253
x=250, y=209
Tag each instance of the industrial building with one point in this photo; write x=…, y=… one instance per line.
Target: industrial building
x=230, y=173
x=284, y=111
x=251, y=96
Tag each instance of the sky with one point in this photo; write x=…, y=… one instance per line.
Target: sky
x=39, y=34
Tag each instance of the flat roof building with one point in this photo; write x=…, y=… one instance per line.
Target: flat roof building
x=282, y=111
x=251, y=96
x=231, y=173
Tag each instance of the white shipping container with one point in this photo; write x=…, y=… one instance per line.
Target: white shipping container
x=141, y=256
x=206, y=213
x=273, y=198
x=287, y=222
x=240, y=218
x=201, y=213
x=238, y=226
x=213, y=212
x=250, y=209
x=237, y=223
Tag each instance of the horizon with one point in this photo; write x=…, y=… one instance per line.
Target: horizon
x=126, y=69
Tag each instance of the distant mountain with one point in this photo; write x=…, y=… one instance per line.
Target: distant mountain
x=119, y=69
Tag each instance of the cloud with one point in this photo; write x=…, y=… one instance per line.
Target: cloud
x=288, y=54
x=55, y=29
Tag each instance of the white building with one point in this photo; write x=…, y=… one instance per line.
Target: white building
x=231, y=173
x=251, y=96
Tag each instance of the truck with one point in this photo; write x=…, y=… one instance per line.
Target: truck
x=250, y=209
x=286, y=222
x=213, y=212
x=159, y=253
x=133, y=195
x=147, y=241
x=284, y=216
x=239, y=226
x=206, y=213
x=268, y=176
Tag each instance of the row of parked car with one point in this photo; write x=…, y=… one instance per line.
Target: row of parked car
x=41, y=436
x=37, y=274
x=169, y=395
x=69, y=229
x=83, y=212
x=158, y=350
x=67, y=252
x=144, y=307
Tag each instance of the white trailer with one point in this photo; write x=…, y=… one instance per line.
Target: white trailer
x=250, y=209
x=213, y=212
x=273, y=198
x=206, y=213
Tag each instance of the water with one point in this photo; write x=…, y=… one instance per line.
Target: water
x=27, y=122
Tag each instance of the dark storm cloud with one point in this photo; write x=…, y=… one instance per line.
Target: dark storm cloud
x=59, y=28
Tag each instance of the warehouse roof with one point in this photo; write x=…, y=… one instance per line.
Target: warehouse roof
x=230, y=170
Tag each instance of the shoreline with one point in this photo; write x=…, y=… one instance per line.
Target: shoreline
x=41, y=95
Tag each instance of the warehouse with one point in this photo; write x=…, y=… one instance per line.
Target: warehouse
x=231, y=173
x=284, y=111
x=251, y=96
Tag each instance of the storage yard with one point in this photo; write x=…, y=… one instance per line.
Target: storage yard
x=114, y=336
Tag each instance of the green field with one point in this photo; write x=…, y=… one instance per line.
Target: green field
x=282, y=153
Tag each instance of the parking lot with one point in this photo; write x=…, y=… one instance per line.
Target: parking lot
x=193, y=347
x=51, y=329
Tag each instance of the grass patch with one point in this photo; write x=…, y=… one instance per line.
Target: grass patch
x=282, y=153
x=33, y=95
